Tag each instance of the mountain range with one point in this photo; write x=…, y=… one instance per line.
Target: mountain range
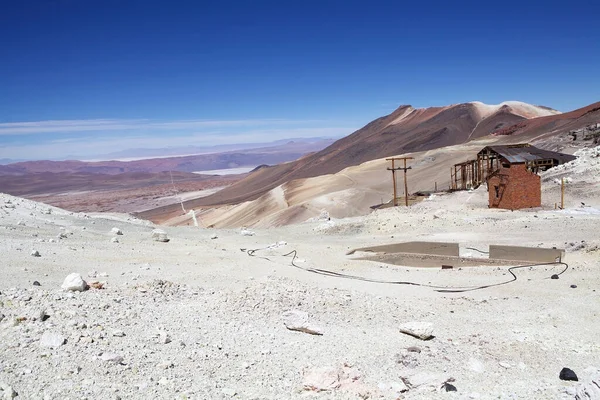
x=407, y=129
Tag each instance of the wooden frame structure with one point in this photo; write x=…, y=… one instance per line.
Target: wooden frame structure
x=472, y=173
x=394, y=169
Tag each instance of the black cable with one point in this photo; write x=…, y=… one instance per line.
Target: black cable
x=441, y=289
x=481, y=251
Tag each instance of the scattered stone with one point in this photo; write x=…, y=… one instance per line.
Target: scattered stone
x=590, y=389
x=422, y=378
x=41, y=315
x=74, y=283
x=158, y=235
x=111, y=357
x=573, y=286
x=164, y=338
x=7, y=391
x=52, y=340
x=554, y=276
x=420, y=330
x=96, y=285
x=413, y=349
x=21, y=223
x=36, y=283
x=567, y=374
x=476, y=365
x=62, y=235
x=296, y=320
x=398, y=387
x=246, y=232
x=115, y=240
x=229, y=392
x=116, y=231
x=448, y=387
x=407, y=359
x=214, y=236
x=118, y=333
x=35, y=253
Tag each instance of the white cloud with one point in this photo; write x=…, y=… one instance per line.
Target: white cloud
x=69, y=126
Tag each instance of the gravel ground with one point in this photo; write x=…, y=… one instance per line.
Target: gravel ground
x=198, y=318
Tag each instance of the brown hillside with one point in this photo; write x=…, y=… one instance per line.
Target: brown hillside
x=405, y=130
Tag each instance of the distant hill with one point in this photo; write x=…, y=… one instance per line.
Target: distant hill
x=273, y=154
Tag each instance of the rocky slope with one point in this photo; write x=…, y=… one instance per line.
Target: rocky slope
x=196, y=317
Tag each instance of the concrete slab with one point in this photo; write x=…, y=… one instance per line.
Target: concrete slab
x=431, y=248
x=528, y=254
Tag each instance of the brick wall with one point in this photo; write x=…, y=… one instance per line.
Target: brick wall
x=514, y=188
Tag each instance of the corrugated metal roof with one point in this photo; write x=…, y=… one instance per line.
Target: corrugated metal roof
x=525, y=153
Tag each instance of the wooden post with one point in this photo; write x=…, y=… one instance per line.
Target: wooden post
x=394, y=169
x=395, y=201
x=405, y=185
x=562, y=193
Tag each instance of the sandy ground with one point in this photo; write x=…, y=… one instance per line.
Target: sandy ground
x=353, y=191
x=199, y=318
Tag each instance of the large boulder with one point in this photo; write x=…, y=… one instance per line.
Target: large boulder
x=74, y=283
x=159, y=235
x=420, y=330
x=296, y=320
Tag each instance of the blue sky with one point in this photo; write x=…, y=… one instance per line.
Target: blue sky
x=89, y=77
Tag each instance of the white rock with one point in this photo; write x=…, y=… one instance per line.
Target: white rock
x=159, y=235
x=7, y=391
x=74, y=283
x=35, y=253
x=116, y=231
x=52, y=340
x=246, y=232
x=420, y=330
x=296, y=320
x=229, y=392
x=321, y=379
x=476, y=365
x=40, y=314
x=422, y=378
x=214, y=236
x=164, y=338
x=398, y=387
x=111, y=357
x=115, y=240
x=118, y=333
x=589, y=389
x=21, y=223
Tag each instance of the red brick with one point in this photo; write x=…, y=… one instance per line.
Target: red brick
x=514, y=187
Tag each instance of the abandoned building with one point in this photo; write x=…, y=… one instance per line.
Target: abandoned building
x=510, y=172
